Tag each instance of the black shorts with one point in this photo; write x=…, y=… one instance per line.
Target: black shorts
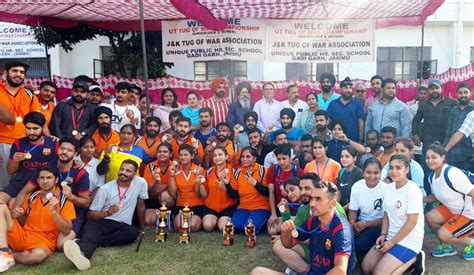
x=152, y=204
x=228, y=212
x=13, y=189
x=197, y=210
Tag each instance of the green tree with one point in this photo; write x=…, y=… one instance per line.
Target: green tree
x=125, y=47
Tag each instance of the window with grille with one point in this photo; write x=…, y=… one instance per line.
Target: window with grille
x=404, y=63
x=310, y=71
x=209, y=70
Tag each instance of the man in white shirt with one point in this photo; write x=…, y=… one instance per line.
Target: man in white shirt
x=294, y=102
x=123, y=112
x=268, y=109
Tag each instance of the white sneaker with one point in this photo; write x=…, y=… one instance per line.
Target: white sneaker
x=289, y=271
x=6, y=261
x=73, y=252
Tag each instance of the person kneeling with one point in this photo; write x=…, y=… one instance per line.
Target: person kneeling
x=47, y=213
x=110, y=216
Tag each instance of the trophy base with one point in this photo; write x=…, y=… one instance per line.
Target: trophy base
x=250, y=244
x=227, y=242
x=161, y=238
x=183, y=239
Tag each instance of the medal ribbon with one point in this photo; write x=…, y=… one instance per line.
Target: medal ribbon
x=121, y=197
x=324, y=169
x=316, y=230
x=294, y=205
x=33, y=148
x=73, y=115
x=61, y=174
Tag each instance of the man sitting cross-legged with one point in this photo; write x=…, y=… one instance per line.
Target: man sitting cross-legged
x=47, y=213
x=110, y=216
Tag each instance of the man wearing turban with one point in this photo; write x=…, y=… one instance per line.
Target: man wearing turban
x=327, y=81
x=293, y=134
x=218, y=103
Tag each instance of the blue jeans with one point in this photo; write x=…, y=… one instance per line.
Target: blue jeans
x=259, y=218
x=365, y=241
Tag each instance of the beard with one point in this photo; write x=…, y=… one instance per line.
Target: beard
x=389, y=97
x=78, y=99
x=305, y=199
x=104, y=128
x=320, y=127
x=64, y=159
x=204, y=123
x=463, y=101
x=346, y=96
x=222, y=138
x=287, y=126
x=35, y=138
x=151, y=133
x=326, y=88
x=435, y=95
x=182, y=134
x=13, y=83
x=245, y=103
x=373, y=146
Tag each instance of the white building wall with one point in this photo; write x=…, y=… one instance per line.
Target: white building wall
x=450, y=40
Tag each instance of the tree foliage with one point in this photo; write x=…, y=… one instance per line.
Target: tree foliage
x=126, y=47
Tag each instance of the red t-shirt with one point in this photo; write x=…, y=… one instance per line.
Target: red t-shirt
x=279, y=181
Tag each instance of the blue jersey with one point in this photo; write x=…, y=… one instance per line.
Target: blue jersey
x=203, y=138
x=325, y=244
x=293, y=135
x=41, y=155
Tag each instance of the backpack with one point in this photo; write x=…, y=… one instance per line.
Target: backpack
x=294, y=169
x=468, y=174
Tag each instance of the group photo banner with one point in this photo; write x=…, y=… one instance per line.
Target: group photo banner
x=189, y=40
x=302, y=41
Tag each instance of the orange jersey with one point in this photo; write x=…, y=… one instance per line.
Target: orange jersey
x=148, y=173
x=250, y=198
x=186, y=186
x=101, y=143
x=217, y=198
x=191, y=141
x=40, y=229
x=150, y=149
x=328, y=172
x=20, y=104
x=47, y=111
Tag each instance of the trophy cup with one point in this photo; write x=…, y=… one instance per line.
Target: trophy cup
x=228, y=233
x=161, y=227
x=185, y=228
x=250, y=232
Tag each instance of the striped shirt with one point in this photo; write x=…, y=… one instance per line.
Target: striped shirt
x=220, y=108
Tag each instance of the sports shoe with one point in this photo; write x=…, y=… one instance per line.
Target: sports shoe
x=6, y=261
x=73, y=252
x=289, y=271
x=443, y=250
x=468, y=253
x=419, y=264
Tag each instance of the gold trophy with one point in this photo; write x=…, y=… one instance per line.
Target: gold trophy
x=228, y=233
x=185, y=228
x=162, y=226
x=250, y=232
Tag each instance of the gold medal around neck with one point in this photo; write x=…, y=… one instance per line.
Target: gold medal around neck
x=28, y=156
x=294, y=233
x=75, y=132
x=19, y=119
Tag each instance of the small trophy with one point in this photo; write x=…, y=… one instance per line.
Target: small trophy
x=228, y=233
x=185, y=228
x=162, y=227
x=250, y=232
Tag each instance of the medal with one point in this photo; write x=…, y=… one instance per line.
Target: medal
x=281, y=208
x=49, y=196
x=214, y=144
x=75, y=132
x=19, y=119
x=294, y=233
x=63, y=183
x=241, y=128
x=120, y=205
x=28, y=156
x=115, y=148
x=227, y=171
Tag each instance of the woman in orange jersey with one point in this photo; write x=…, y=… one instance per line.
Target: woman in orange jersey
x=185, y=179
x=218, y=206
x=157, y=174
x=249, y=185
x=326, y=168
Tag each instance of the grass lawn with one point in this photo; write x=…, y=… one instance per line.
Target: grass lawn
x=203, y=255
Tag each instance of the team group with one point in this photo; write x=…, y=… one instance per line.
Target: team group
x=333, y=179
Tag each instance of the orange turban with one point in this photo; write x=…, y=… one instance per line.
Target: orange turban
x=216, y=82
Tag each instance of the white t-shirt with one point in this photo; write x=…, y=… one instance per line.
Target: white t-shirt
x=368, y=200
x=119, y=115
x=95, y=180
x=416, y=171
x=398, y=203
x=107, y=195
x=300, y=107
x=451, y=199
